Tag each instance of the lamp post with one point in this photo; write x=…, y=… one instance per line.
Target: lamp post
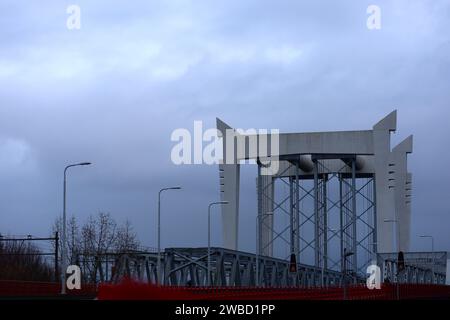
x=374, y=253
x=63, y=240
x=209, y=239
x=398, y=232
x=258, y=217
x=398, y=249
x=432, y=253
x=324, y=257
x=346, y=254
x=158, y=264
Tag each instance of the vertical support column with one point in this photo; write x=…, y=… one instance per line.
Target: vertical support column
x=266, y=189
x=316, y=216
x=229, y=191
x=408, y=194
x=229, y=173
x=341, y=223
x=325, y=222
x=291, y=215
x=297, y=212
x=354, y=215
x=374, y=235
x=400, y=153
x=259, y=191
x=385, y=200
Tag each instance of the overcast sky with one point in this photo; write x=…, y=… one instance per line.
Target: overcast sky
x=113, y=91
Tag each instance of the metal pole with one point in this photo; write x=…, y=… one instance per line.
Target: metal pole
x=64, y=244
x=291, y=216
x=56, y=255
x=398, y=249
x=158, y=264
x=341, y=223
x=297, y=212
x=316, y=216
x=432, y=252
x=257, y=250
x=325, y=227
x=346, y=254
x=354, y=218
x=398, y=252
x=261, y=209
x=374, y=236
x=208, y=276
x=432, y=257
x=258, y=246
x=209, y=240
x=345, y=273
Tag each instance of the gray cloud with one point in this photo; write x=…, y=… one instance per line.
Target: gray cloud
x=113, y=92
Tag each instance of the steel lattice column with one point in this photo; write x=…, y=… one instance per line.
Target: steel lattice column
x=266, y=189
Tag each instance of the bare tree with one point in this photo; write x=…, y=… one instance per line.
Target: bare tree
x=126, y=238
x=100, y=238
x=23, y=261
x=73, y=238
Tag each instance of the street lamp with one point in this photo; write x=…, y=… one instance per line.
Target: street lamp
x=346, y=254
x=158, y=265
x=398, y=249
x=63, y=247
x=374, y=252
x=324, y=259
x=258, y=217
x=209, y=239
x=432, y=252
x=398, y=232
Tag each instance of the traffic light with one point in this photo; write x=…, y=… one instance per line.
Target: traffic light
x=401, y=261
x=293, y=264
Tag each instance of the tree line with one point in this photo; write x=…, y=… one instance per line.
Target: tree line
x=89, y=245
x=23, y=261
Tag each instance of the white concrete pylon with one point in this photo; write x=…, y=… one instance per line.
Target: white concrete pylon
x=229, y=172
x=372, y=149
x=403, y=214
x=384, y=195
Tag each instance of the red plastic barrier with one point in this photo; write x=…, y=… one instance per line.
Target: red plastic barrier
x=129, y=290
x=17, y=289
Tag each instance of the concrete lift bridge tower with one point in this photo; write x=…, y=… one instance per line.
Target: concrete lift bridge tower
x=373, y=185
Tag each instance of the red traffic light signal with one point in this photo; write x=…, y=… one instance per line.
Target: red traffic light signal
x=293, y=264
x=401, y=261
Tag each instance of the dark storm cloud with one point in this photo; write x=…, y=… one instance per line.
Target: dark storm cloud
x=113, y=92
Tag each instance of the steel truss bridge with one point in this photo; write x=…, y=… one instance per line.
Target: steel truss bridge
x=420, y=267
x=188, y=267
x=327, y=207
x=330, y=211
